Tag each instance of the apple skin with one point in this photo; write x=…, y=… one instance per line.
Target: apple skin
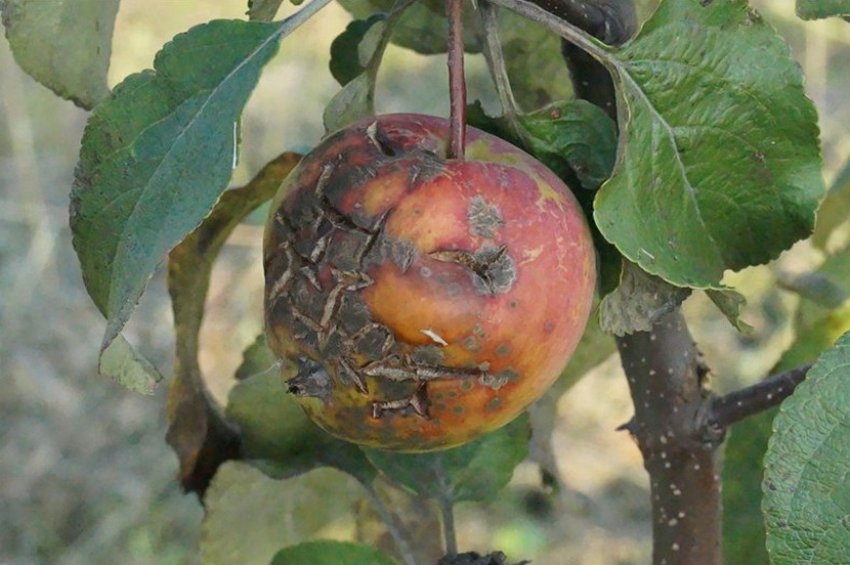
x=427, y=300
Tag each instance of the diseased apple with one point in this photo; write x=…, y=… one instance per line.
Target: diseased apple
x=426, y=300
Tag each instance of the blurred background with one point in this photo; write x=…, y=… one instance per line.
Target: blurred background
x=85, y=474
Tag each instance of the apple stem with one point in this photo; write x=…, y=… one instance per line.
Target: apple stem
x=457, y=84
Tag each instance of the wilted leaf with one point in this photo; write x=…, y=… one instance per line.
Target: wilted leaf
x=277, y=436
x=196, y=430
x=121, y=363
x=817, y=9
x=807, y=495
x=475, y=471
x=730, y=303
x=158, y=153
x=638, y=302
x=250, y=516
x=336, y=552
x=63, y=44
x=716, y=181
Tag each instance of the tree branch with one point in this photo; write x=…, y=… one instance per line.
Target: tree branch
x=611, y=21
x=457, y=85
x=723, y=411
x=667, y=383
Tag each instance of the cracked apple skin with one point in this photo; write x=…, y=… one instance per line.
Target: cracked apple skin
x=425, y=300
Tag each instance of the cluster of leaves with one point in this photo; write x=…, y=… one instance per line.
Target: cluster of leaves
x=717, y=167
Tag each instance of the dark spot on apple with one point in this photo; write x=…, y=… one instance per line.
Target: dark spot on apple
x=491, y=268
x=311, y=380
x=503, y=350
x=471, y=344
x=493, y=404
x=496, y=381
x=484, y=217
x=428, y=355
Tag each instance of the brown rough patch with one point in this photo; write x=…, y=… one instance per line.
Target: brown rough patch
x=491, y=268
x=484, y=218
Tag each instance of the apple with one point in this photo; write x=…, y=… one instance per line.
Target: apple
x=425, y=300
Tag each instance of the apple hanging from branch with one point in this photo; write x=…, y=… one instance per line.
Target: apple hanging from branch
x=426, y=299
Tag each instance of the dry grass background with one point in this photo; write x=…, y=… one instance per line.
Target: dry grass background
x=85, y=475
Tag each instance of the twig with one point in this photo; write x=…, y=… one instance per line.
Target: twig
x=559, y=26
x=393, y=527
x=496, y=62
x=444, y=501
x=457, y=85
x=392, y=19
x=725, y=410
x=580, y=25
x=449, y=535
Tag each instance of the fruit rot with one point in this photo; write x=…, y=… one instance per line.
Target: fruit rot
x=425, y=301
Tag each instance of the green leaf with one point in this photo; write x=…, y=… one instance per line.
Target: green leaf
x=568, y=136
x=352, y=49
x=354, y=102
x=63, y=44
x=257, y=358
x=264, y=10
x=158, y=153
x=573, y=135
x=730, y=303
x=121, y=363
x=722, y=180
x=277, y=437
x=475, y=471
x=834, y=211
x=638, y=302
x=196, y=429
x=336, y=552
x=807, y=494
x=423, y=27
x=536, y=70
x=743, y=522
x=817, y=9
x=249, y=516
